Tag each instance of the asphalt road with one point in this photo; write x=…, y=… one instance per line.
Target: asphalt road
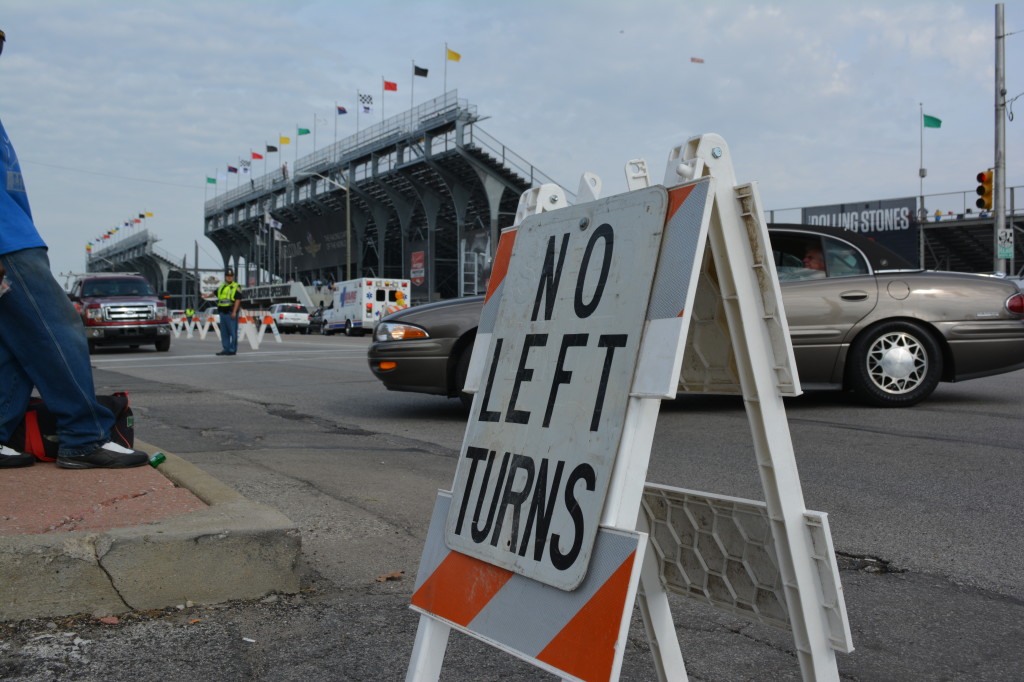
x=924, y=505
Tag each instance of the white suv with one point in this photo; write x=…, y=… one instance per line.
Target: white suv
x=290, y=317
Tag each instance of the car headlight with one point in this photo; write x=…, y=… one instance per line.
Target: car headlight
x=393, y=331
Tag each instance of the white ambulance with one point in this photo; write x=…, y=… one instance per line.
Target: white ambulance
x=358, y=304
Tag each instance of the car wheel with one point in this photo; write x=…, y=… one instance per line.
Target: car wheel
x=163, y=345
x=348, y=328
x=461, y=370
x=92, y=347
x=896, y=364
x=324, y=331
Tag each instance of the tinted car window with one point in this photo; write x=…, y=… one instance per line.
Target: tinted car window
x=793, y=253
x=809, y=256
x=843, y=260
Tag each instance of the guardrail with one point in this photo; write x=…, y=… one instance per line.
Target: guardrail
x=941, y=207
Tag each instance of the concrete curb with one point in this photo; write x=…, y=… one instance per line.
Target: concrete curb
x=233, y=549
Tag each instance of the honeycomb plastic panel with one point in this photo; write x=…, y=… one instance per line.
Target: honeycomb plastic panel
x=709, y=365
x=721, y=551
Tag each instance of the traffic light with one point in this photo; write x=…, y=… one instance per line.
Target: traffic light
x=985, y=189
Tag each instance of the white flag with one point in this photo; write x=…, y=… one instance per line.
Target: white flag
x=269, y=220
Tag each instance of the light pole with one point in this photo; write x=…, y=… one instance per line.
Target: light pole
x=348, y=217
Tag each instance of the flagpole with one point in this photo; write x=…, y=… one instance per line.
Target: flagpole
x=445, y=68
x=412, y=84
x=359, y=105
x=336, y=115
x=921, y=171
x=382, y=98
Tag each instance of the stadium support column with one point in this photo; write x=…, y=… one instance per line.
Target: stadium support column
x=494, y=189
x=431, y=203
x=403, y=208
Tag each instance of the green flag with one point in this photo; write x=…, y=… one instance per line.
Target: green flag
x=305, y=131
x=211, y=181
x=932, y=122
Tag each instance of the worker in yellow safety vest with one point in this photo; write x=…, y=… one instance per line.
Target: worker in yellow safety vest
x=229, y=300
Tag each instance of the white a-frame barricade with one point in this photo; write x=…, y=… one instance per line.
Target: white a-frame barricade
x=247, y=328
x=595, y=313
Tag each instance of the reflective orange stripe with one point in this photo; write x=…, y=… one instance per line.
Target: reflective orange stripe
x=460, y=587
x=501, y=259
x=586, y=645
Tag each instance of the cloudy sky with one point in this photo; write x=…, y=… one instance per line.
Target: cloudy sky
x=118, y=108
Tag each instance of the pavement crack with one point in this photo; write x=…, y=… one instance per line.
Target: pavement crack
x=325, y=425
x=110, y=578
x=911, y=435
x=71, y=522
x=866, y=563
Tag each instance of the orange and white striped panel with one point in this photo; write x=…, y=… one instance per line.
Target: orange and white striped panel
x=489, y=313
x=672, y=293
x=579, y=635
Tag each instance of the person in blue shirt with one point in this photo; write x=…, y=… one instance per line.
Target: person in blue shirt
x=41, y=341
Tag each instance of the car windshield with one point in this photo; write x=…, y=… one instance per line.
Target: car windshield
x=117, y=287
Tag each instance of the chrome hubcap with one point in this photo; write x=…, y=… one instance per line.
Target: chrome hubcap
x=897, y=363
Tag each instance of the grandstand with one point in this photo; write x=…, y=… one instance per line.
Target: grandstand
x=428, y=186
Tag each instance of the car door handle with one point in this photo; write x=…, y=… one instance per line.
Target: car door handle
x=854, y=295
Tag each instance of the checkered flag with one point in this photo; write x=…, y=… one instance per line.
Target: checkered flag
x=367, y=102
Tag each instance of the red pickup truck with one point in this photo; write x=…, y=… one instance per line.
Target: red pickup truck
x=121, y=309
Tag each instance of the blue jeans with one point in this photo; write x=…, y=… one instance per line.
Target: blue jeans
x=228, y=332
x=42, y=345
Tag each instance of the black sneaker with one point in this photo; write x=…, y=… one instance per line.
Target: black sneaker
x=108, y=456
x=11, y=458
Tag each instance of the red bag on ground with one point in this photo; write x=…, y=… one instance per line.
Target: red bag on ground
x=37, y=433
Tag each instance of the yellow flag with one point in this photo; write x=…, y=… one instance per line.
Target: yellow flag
x=286, y=140
x=453, y=55
x=148, y=214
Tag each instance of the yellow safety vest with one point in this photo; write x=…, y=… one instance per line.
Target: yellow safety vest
x=226, y=294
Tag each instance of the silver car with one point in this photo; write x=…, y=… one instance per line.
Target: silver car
x=870, y=323
x=860, y=317
x=290, y=317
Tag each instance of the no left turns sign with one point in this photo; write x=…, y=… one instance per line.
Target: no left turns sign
x=546, y=423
